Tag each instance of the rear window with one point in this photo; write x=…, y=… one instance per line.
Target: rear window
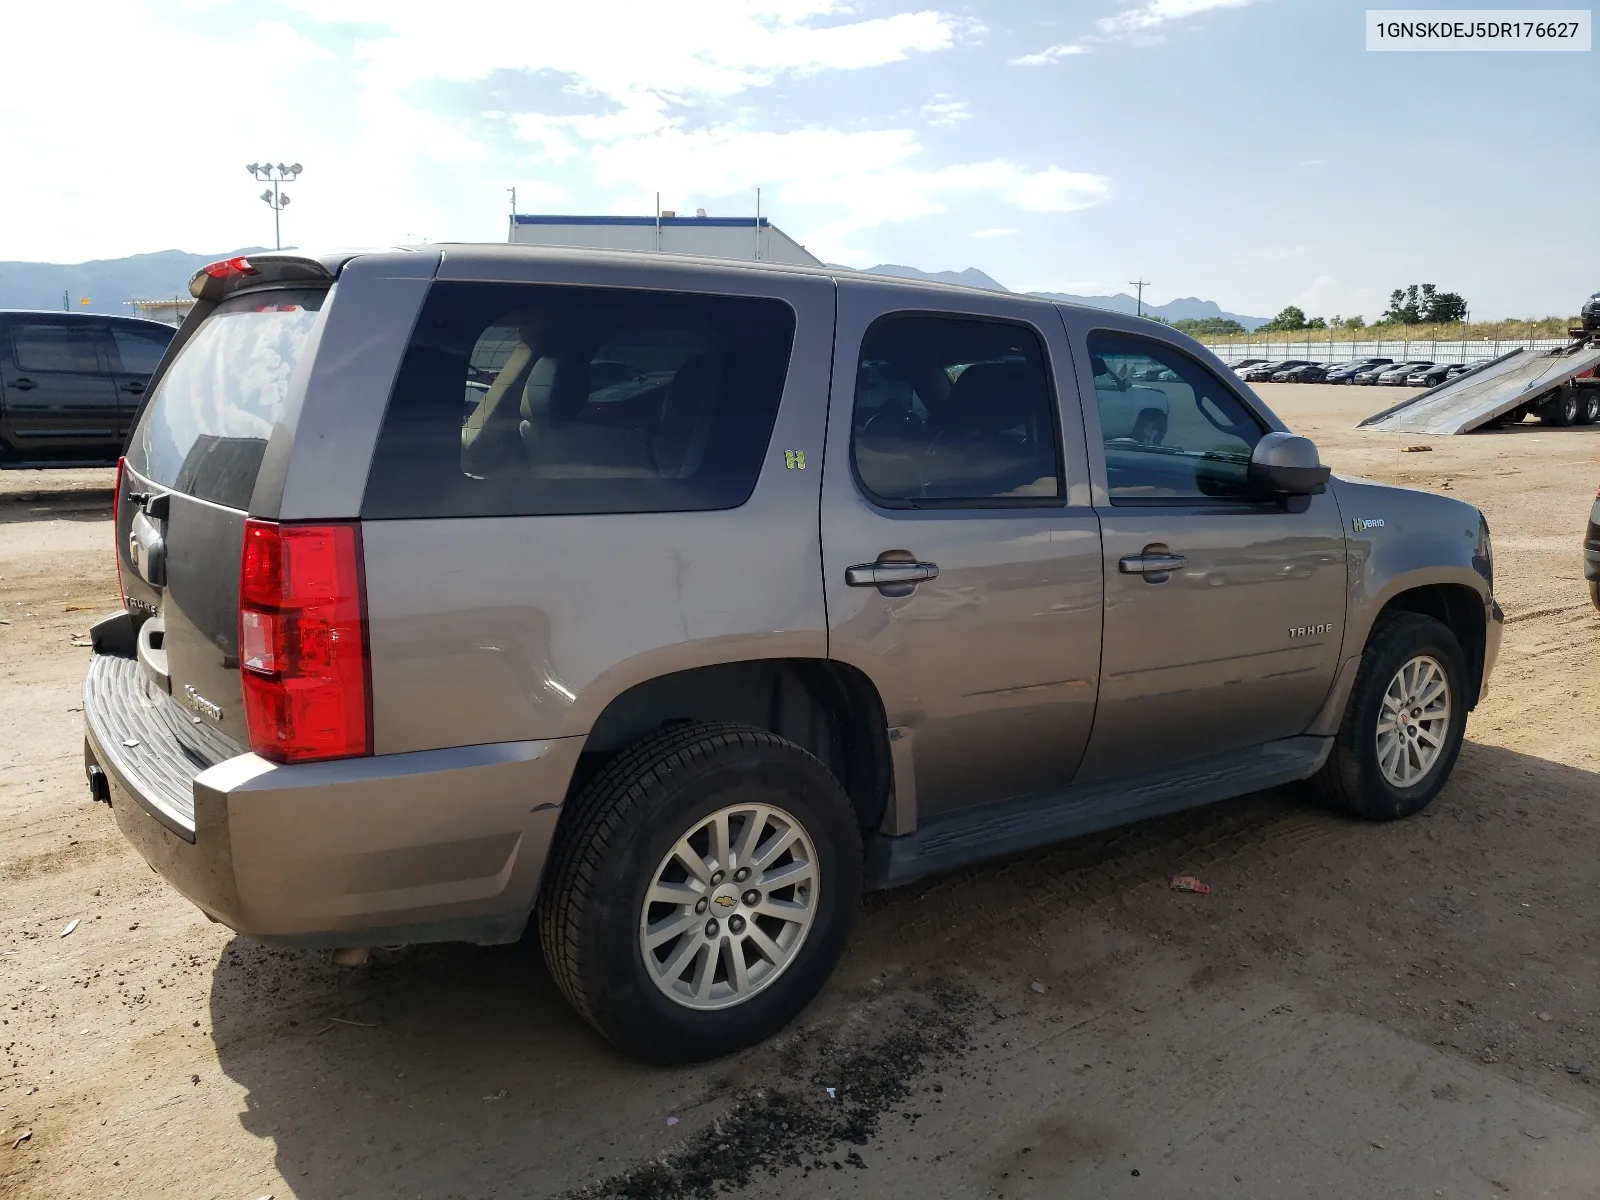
x=205, y=429
x=519, y=399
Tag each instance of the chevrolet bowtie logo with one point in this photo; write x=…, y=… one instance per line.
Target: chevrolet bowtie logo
x=724, y=901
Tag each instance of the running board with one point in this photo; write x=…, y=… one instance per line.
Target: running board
x=1012, y=826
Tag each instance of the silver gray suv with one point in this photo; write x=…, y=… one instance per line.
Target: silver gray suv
x=668, y=603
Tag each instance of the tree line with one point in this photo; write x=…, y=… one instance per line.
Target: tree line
x=1416, y=304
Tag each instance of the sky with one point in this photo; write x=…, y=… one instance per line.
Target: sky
x=1250, y=152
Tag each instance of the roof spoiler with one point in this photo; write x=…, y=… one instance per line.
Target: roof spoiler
x=215, y=280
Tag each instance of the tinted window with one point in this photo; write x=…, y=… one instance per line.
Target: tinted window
x=140, y=349
x=206, y=426
x=57, y=347
x=1172, y=430
x=518, y=399
x=954, y=410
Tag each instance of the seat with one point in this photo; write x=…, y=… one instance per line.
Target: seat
x=987, y=443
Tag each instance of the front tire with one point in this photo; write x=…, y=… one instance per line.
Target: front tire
x=1403, y=723
x=1561, y=409
x=700, y=891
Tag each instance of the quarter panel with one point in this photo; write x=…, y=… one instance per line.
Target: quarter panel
x=508, y=628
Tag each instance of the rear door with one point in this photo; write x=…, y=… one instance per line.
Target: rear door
x=961, y=559
x=137, y=348
x=191, y=469
x=60, y=403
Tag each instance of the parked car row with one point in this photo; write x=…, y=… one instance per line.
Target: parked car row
x=1385, y=371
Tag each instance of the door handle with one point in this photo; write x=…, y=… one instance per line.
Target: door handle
x=891, y=578
x=24, y=385
x=1151, y=564
x=133, y=386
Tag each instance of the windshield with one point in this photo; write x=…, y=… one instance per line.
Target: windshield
x=206, y=427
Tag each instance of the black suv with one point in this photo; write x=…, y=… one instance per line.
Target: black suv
x=71, y=384
x=1589, y=314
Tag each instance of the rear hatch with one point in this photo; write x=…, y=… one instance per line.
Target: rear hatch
x=188, y=479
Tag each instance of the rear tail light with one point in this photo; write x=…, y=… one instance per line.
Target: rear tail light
x=303, y=641
x=230, y=268
x=116, y=513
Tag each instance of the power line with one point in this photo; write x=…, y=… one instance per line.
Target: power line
x=1138, y=303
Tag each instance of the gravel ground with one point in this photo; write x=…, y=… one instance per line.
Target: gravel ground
x=1353, y=1011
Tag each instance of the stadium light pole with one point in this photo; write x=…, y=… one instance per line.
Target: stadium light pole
x=275, y=197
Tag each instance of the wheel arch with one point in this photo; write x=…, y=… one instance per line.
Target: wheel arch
x=829, y=708
x=1460, y=608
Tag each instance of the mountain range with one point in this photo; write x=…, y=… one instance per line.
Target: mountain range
x=1183, y=308
x=109, y=283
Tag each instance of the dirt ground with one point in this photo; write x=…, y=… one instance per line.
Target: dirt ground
x=1354, y=1011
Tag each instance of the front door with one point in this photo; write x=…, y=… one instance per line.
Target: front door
x=961, y=558
x=1224, y=609
x=60, y=402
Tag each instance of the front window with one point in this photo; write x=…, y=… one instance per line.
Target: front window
x=1172, y=431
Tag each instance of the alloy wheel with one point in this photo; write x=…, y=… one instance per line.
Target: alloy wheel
x=729, y=906
x=1414, y=721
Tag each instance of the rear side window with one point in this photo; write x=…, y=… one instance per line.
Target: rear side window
x=205, y=429
x=53, y=347
x=520, y=399
x=954, y=411
x=140, y=349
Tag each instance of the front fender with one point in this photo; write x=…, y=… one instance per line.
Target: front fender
x=1399, y=540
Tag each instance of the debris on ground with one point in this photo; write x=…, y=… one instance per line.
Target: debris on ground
x=22, y=1137
x=832, y=1093
x=1416, y=449
x=1038, y=985
x=1544, y=1016
x=1189, y=883
x=671, y=1121
x=71, y=925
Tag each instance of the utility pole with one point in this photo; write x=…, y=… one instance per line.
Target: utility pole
x=275, y=198
x=1138, y=303
x=511, y=233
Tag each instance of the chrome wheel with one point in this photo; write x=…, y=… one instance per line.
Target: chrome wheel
x=729, y=906
x=1414, y=721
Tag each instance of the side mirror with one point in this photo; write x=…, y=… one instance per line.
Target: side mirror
x=1286, y=464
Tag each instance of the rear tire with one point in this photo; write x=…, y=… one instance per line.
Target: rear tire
x=621, y=847
x=1588, y=406
x=1364, y=776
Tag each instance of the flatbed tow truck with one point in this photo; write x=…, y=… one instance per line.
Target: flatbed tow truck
x=1560, y=387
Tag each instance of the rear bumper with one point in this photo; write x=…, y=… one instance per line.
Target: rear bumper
x=439, y=845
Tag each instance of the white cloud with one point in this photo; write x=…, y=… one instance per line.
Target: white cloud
x=1149, y=16
x=1140, y=23
x=1051, y=54
x=354, y=92
x=943, y=113
x=994, y=233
